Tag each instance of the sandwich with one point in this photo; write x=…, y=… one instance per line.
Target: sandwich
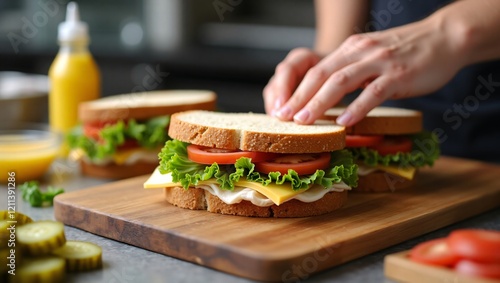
x=120, y=136
x=252, y=164
x=389, y=145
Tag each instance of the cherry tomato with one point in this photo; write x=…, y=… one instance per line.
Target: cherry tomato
x=435, y=252
x=393, y=145
x=478, y=269
x=208, y=155
x=362, y=141
x=303, y=164
x=476, y=244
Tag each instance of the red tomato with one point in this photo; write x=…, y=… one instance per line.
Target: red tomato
x=435, y=252
x=476, y=244
x=478, y=269
x=208, y=155
x=303, y=164
x=128, y=144
x=92, y=130
x=362, y=141
x=393, y=145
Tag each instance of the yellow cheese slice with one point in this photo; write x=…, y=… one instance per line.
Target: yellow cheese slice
x=405, y=172
x=277, y=193
x=122, y=156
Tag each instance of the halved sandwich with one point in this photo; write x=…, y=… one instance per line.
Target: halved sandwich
x=389, y=145
x=120, y=136
x=254, y=165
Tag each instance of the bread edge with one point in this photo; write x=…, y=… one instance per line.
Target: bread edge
x=253, y=141
x=199, y=199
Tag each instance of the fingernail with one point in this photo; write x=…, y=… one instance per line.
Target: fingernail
x=284, y=112
x=344, y=119
x=278, y=103
x=302, y=116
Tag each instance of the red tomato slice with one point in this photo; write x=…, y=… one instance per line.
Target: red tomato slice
x=476, y=244
x=435, y=252
x=128, y=144
x=303, y=164
x=92, y=130
x=393, y=145
x=362, y=141
x=478, y=269
x=208, y=155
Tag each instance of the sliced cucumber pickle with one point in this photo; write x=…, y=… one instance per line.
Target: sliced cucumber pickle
x=15, y=216
x=80, y=256
x=41, y=237
x=50, y=269
x=4, y=253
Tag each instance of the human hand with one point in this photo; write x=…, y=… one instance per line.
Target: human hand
x=407, y=61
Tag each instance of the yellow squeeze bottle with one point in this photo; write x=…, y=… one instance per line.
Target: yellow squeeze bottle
x=74, y=75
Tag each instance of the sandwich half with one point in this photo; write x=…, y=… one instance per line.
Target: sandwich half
x=389, y=145
x=120, y=136
x=254, y=165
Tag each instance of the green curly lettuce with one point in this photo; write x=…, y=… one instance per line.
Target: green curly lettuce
x=174, y=160
x=425, y=152
x=149, y=134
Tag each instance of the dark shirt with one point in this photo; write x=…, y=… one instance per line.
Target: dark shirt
x=465, y=113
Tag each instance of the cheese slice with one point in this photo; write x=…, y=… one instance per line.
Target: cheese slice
x=277, y=193
x=405, y=172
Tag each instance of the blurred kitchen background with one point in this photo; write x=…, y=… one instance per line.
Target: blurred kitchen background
x=229, y=46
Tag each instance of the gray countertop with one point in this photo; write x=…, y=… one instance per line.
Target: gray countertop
x=125, y=263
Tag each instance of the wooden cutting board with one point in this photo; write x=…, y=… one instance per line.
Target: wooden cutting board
x=283, y=249
x=398, y=267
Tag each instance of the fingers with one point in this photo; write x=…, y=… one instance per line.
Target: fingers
x=309, y=103
x=287, y=76
x=372, y=96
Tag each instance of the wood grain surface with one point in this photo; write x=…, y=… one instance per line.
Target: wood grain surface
x=284, y=249
x=398, y=267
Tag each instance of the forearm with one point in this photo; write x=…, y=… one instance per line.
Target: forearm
x=336, y=20
x=473, y=27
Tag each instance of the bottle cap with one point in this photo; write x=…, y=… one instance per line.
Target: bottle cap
x=73, y=29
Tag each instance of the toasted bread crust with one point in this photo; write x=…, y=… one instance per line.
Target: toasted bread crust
x=381, y=182
x=322, y=137
x=115, y=171
x=141, y=106
x=199, y=199
x=383, y=121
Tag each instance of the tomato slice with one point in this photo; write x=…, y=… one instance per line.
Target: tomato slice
x=92, y=130
x=362, y=140
x=128, y=144
x=303, y=164
x=476, y=244
x=434, y=252
x=478, y=269
x=208, y=155
x=393, y=145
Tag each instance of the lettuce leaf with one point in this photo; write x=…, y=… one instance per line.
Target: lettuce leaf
x=425, y=151
x=173, y=159
x=149, y=134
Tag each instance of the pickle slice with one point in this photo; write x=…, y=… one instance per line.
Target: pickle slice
x=80, y=256
x=41, y=237
x=15, y=216
x=50, y=269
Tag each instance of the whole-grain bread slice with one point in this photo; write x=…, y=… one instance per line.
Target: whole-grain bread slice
x=145, y=105
x=255, y=132
x=383, y=121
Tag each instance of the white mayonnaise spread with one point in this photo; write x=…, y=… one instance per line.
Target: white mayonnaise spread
x=242, y=193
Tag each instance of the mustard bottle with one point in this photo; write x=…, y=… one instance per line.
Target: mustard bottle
x=74, y=76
